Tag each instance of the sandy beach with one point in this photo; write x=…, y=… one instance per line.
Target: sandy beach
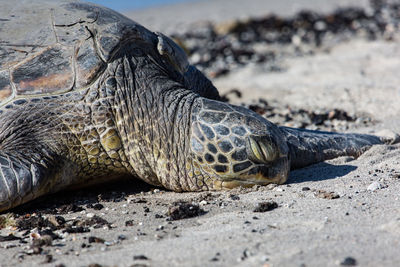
x=342, y=212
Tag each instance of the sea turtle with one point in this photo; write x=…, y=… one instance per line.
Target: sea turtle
x=88, y=95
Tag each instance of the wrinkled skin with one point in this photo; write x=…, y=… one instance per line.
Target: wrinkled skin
x=94, y=96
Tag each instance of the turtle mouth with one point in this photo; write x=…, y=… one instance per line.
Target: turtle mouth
x=276, y=173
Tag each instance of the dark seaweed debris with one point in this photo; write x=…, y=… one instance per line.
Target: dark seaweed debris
x=9, y=237
x=46, y=225
x=216, y=49
x=183, y=210
x=323, y=119
x=34, y=221
x=95, y=221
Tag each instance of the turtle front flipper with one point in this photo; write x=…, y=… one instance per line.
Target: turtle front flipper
x=20, y=181
x=307, y=147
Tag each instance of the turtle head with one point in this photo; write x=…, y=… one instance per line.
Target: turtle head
x=230, y=146
x=233, y=146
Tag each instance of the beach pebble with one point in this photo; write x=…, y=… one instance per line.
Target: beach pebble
x=265, y=206
x=349, y=261
x=374, y=186
x=203, y=202
x=140, y=257
x=278, y=189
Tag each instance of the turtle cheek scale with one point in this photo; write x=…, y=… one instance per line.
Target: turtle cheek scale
x=234, y=147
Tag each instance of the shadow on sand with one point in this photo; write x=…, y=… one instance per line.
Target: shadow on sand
x=69, y=200
x=319, y=172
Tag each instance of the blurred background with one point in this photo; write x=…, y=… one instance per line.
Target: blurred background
x=171, y=16
x=296, y=57
x=123, y=5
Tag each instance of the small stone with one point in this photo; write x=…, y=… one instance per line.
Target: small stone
x=39, y=241
x=121, y=237
x=109, y=243
x=140, y=257
x=374, y=186
x=246, y=254
x=195, y=58
x=320, y=25
x=326, y=195
x=93, y=239
x=90, y=215
x=265, y=206
x=234, y=197
x=203, y=202
x=183, y=210
x=306, y=188
x=349, y=261
x=98, y=206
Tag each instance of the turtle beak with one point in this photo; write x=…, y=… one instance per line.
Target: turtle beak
x=277, y=173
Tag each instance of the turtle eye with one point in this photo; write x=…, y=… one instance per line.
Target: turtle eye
x=172, y=52
x=261, y=149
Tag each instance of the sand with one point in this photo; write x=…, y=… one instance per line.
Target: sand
x=342, y=208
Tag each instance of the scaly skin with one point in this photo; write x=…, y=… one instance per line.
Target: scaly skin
x=130, y=104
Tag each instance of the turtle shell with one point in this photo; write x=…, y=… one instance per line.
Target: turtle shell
x=51, y=47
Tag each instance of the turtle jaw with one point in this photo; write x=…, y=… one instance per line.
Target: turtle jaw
x=270, y=165
x=262, y=175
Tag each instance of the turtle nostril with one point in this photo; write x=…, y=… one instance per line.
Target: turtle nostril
x=260, y=150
